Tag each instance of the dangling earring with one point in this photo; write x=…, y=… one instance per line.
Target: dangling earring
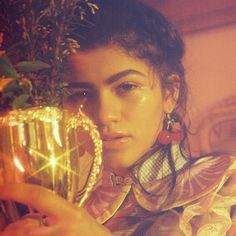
x=170, y=134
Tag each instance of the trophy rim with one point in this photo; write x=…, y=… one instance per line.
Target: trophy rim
x=41, y=113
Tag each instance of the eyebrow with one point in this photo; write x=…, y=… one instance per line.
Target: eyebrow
x=109, y=80
x=122, y=74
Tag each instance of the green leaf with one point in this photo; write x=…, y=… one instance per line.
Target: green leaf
x=12, y=86
x=6, y=68
x=19, y=101
x=30, y=66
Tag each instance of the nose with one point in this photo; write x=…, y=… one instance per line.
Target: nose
x=108, y=109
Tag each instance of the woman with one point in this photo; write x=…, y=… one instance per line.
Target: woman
x=129, y=77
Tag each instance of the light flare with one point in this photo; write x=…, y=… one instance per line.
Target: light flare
x=56, y=133
x=53, y=161
x=18, y=165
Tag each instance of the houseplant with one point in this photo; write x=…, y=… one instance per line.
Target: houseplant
x=38, y=35
x=35, y=40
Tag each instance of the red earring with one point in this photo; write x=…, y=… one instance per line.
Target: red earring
x=170, y=134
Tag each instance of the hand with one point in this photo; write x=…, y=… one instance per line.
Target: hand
x=63, y=218
x=21, y=227
x=2, y=222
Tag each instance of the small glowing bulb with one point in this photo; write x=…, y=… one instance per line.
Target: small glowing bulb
x=18, y=165
x=53, y=161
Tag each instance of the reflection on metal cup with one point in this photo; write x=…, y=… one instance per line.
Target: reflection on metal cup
x=42, y=146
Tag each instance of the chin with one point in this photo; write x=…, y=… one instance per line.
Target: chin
x=116, y=164
x=119, y=159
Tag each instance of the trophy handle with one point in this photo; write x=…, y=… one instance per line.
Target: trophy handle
x=81, y=120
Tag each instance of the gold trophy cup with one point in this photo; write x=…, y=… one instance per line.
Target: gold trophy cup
x=43, y=146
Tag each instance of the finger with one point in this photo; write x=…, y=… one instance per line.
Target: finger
x=35, y=196
x=42, y=219
x=20, y=228
x=42, y=231
x=25, y=223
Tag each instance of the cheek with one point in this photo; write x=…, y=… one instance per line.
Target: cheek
x=91, y=109
x=71, y=106
x=146, y=117
x=75, y=106
x=147, y=107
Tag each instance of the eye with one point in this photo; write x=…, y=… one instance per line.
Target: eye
x=127, y=87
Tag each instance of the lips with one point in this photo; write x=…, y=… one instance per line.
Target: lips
x=115, y=140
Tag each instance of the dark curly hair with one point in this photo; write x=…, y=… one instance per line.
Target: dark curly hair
x=143, y=33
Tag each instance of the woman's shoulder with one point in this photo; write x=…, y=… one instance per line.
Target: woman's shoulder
x=214, y=160
x=209, y=170
x=206, y=174
x=213, y=212
x=195, y=180
x=210, y=173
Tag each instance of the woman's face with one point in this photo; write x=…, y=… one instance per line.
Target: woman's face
x=123, y=97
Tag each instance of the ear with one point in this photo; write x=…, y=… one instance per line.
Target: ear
x=171, y=92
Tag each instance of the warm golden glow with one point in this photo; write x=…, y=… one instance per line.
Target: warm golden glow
x=56, y=133
x=18, y=165
x=46, y=140
x=53, y=162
